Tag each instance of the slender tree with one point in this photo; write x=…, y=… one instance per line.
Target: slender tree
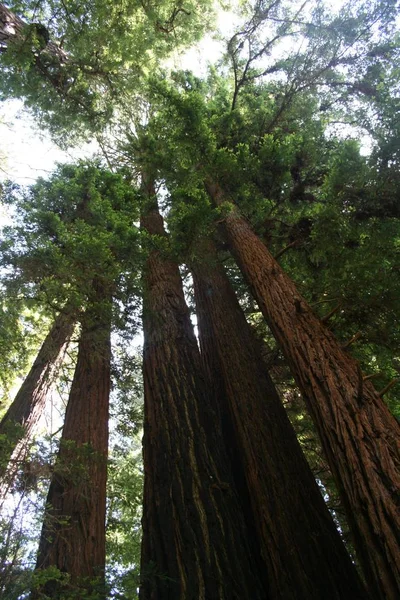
x=358, y=433
x=28, y=404
x=195, y=542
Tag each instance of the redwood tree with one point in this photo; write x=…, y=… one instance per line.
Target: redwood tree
x=72, y=541
x=72, y=238
x=358, y=433
x=301, y=547
x=195, y=541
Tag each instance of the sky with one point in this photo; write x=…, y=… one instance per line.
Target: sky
x=26, y=153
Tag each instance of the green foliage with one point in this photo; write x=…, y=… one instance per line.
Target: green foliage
x=42, y=576
x=72, y=228
x=54, y=581
x=20, y=523
x=22, y=328
x=191, y=217
x=125, y=476
x=13, y=351
x=73, y=463
x=99, y=55
x=15, y=574
x=125, y=489
x=8, y=440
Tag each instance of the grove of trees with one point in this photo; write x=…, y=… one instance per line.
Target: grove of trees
x=241, y=224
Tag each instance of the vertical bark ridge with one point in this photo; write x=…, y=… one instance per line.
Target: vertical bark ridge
x=73, y=533
x=194, y=538
x=300, y=546
x=358, y=433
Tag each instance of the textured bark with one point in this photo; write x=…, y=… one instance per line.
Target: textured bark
x=12, y=28
x=195, y=543
x=73, y=533
x=29, y=402
x=358, y=433
x=301, y=547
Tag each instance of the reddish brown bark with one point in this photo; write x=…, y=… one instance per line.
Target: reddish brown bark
x=29, y=402
x=73, y=533
x=195, y=543
x=358, y=433
x=300, y=545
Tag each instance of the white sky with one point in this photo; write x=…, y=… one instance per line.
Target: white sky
x=25, y=152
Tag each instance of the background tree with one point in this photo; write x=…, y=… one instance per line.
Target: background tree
x=72, y=544
x=28, y=404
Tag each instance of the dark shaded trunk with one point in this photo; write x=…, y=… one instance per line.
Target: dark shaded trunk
x=300, y=545
x=305, y=430
x=195, y=543
x=73, y=533
x=28, y=404
x=358, y=433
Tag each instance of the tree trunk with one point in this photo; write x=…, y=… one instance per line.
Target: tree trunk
x=29, y=402
x=13, y=28
x=73, y=533
x=358, y=433
x=195, y=543
x=304, y=556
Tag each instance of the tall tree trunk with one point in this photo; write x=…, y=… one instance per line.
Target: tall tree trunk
x=358, y=433
x=73, y=533
x=301, y=547
x=28, y=404
x=195, y=543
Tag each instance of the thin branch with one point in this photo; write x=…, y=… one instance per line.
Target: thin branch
x=352, y=340
x=330, y=314
x=286, y=248
x=388, y=387
x=372, y=376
